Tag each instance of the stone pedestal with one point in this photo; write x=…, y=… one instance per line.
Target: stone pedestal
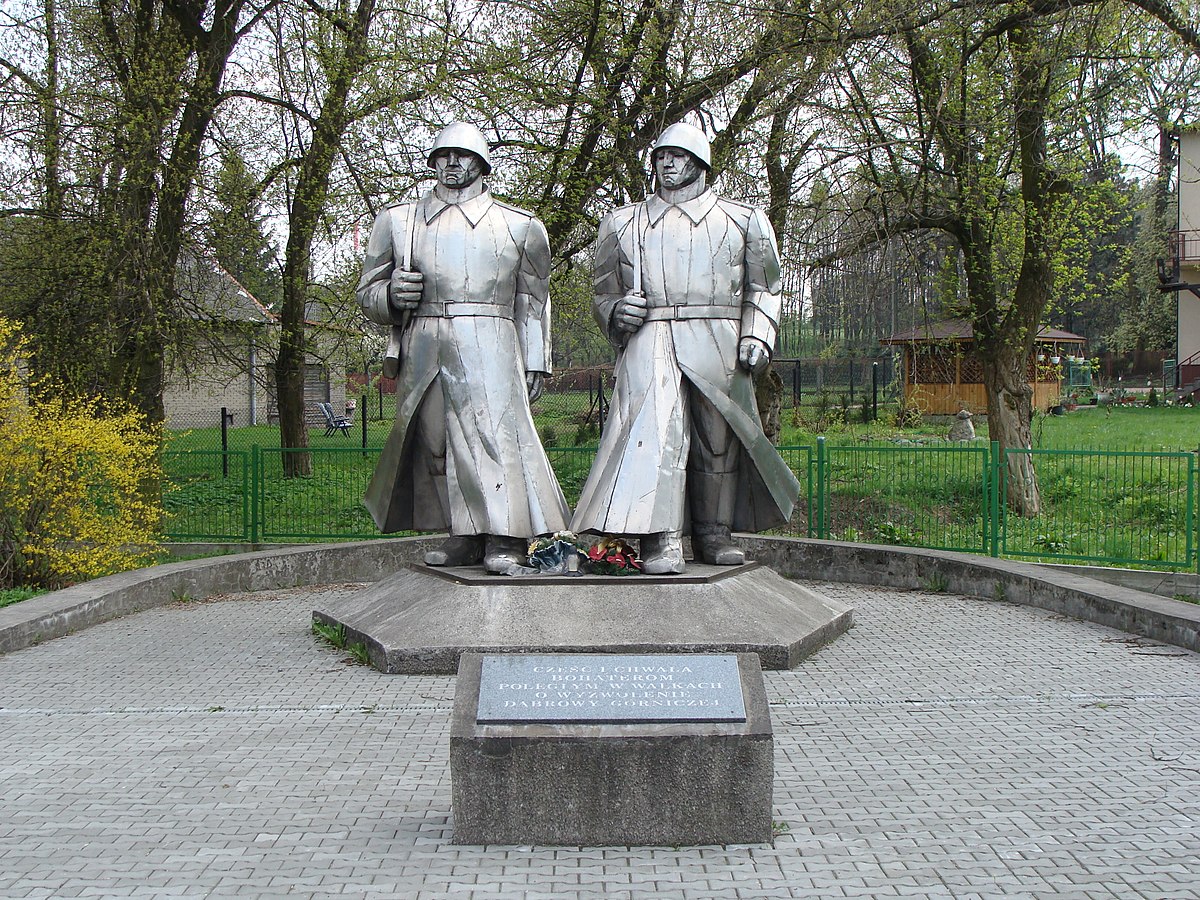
x=422, y=619
x=667, y=783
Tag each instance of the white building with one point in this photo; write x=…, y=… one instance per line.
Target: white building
x=229, y=360
x=1186, y=252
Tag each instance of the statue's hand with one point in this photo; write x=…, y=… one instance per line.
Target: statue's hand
x=753, y=354
x=535, y=382
x=404, y=291
x=630, y=313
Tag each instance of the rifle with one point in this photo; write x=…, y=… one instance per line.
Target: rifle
x=391, y=356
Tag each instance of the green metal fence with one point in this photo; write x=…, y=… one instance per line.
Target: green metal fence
x=927, y=496
x=1114, y=507
x=1139, y=508
x=207, y=495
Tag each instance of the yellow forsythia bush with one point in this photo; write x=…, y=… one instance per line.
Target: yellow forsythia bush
x=79, y=489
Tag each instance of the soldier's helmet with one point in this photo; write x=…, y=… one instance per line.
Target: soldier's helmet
x=683, y=136
x=462, y=136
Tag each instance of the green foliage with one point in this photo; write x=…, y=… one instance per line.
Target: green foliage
x=237, y=230
x=893, y=533
x=79, y=487
x=9, y=596
x=1051, y=544
x=333, y=634
x=51, y=281
x=577, y=339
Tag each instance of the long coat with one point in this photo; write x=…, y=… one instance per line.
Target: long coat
x=482, y=324
x=709, y=269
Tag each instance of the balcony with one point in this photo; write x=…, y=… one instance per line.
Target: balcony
x=1185, y=247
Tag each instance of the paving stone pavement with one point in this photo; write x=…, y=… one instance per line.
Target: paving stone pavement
x=944, y=747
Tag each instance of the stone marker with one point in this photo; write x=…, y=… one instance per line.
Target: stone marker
x=962, y=429
x=611, y=777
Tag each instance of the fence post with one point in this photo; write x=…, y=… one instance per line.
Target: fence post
x=224, y=442
x=996, y=467
x=1193, y=469
x=255, y=481
x=822, y=532
x=874, y=392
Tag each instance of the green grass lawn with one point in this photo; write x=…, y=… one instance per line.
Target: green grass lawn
x=1121, y=428
x=1087, y=428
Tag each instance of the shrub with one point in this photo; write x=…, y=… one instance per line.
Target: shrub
x=79, y=487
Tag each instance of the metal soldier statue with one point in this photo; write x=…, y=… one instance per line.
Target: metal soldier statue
x=688, y=289
x=463, y=280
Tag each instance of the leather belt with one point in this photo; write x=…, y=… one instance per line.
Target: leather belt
x=660, y=313
x=450, y=308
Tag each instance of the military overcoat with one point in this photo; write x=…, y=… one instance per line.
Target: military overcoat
x=482, y=324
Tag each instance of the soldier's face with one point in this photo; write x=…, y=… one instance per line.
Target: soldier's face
x=676, y=168
x=457, y=168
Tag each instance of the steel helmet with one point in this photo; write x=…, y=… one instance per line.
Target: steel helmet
x=462, y=136
x=683, y=136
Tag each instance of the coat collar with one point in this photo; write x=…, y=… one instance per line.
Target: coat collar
x=695, y=209
x=474, y=209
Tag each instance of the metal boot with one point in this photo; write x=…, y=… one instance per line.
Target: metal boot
x=457, y=550
x=713, y=544
x=662, y=553
x=503, y=552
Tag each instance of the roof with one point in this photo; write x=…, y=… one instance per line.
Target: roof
x=960, y=330
x=209, y=292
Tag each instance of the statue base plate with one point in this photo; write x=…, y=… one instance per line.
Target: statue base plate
x=422, y=619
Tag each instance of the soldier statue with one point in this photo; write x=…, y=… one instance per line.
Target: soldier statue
x=462, y=279
x=687, y=288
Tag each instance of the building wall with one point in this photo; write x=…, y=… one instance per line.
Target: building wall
x=1188, y=334
x=1189, y=180
x=196, y=389
x=195, y=393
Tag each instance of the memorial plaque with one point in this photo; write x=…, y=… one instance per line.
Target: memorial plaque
x=602, y=688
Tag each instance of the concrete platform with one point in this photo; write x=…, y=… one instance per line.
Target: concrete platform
x=421, y=620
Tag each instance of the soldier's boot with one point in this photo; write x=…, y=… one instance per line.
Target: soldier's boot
x=457, y=550
x=503, y=552
x=662, y=553
x=713, y=496
x=713, y=544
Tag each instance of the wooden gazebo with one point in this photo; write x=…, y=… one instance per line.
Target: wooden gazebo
x=943, y=374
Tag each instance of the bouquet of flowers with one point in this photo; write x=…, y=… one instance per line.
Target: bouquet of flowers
x=552, y=554
x=612, y=556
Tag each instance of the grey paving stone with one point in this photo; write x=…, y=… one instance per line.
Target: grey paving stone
x=945, y=746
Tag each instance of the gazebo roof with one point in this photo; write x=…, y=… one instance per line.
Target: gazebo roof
x=959, y=330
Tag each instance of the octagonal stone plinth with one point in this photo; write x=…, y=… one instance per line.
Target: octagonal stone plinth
x=422, y=619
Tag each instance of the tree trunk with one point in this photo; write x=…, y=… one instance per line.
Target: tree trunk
x=308, y=204
x=289, y=390
x=1009, y=410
